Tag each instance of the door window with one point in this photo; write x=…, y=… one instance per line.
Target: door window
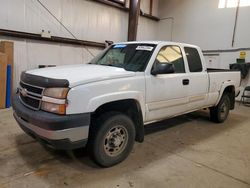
x=172, y=54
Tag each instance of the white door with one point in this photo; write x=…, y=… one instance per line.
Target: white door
x=198, y=79
x=167, y=94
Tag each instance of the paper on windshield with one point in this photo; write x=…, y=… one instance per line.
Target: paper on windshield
x=146, y=48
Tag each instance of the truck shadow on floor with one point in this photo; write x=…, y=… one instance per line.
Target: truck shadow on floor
x=176, y=121
x=162, y=139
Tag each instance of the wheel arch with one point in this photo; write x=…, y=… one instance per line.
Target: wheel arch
x=230, y=90
x=130, y=107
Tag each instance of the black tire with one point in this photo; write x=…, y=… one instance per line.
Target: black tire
x=220, y=112
x=112, y=138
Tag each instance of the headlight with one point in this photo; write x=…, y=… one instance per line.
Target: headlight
x=59, y=93
x=54, y=100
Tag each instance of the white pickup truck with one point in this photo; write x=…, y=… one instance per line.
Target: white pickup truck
x=105, y=104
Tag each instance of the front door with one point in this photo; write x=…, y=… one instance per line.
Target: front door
x=167, y=94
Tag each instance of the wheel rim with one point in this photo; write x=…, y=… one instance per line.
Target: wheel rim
x=115, y=140
x=224, y=110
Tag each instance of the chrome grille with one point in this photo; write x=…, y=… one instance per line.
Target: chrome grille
x=30, y=95
x=32, y=89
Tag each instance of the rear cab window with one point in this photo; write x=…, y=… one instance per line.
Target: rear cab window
x=193, y=59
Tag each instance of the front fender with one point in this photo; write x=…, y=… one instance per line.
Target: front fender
x=88, y=97
x=97, y=101
x=85, y=100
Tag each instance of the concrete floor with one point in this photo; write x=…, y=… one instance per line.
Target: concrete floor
x=188, y=151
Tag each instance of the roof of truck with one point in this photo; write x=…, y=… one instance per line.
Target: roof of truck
x=156, y=42
x=134, y=42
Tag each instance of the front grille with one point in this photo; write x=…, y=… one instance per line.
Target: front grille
x=33, y=89
x=30, y=95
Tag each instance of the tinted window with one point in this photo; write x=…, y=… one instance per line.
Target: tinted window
x=194, y=60
x=172, y=54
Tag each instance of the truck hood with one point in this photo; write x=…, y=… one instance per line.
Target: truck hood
x=82, y=74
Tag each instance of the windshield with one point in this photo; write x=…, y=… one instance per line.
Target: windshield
x=131, y=57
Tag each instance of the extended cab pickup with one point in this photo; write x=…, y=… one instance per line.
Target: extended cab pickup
x=105, y=104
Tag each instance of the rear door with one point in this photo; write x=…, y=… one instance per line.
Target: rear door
x=166, y=94
x=198, y=78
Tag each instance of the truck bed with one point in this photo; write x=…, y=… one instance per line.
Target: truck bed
x=218, y=78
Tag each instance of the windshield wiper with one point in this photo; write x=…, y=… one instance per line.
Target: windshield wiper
x=111, y=65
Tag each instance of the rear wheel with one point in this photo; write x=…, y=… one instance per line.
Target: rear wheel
x=112, y=138
x=220, y=112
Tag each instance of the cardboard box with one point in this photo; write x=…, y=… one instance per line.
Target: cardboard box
x=7, y=48
x=3, y=78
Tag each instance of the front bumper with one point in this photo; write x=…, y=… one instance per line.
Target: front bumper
x=57, y=131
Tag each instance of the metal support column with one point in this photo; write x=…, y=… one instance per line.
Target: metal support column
x=134, y=13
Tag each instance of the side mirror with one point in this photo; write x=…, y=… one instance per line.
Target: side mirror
x=162, y=68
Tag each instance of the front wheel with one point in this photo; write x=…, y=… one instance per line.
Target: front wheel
x=220, y=112
x=112, y=138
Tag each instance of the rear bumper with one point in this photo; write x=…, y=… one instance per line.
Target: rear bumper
x=57, y=131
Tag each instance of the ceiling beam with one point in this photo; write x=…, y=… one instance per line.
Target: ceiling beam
x=34, y=36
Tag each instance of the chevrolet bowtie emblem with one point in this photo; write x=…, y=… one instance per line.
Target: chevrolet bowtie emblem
x=24, y=92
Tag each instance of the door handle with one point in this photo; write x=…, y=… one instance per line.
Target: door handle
x=185, y=81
